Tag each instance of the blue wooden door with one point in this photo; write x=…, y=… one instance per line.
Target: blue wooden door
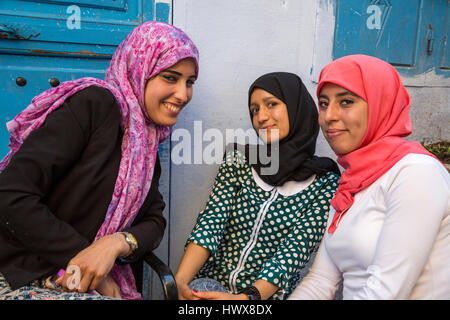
x=410, y=34
x=46, y=42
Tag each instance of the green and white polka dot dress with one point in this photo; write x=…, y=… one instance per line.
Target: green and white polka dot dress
x=255, y=234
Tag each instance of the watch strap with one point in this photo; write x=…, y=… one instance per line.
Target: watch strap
x=252, y=292
x=131, y=240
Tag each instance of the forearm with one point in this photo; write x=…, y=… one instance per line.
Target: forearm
x=193, y=259
x=148, y=227
x=265, y=288
x=34, y=226
x=148, y=234
x=27, y=183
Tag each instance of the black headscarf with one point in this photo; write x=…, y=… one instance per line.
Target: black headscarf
x=296, y=151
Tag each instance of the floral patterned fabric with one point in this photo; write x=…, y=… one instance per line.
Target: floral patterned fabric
x=255, y=234
x=38, y=290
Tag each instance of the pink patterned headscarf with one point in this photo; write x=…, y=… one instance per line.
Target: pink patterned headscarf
x=149, y=49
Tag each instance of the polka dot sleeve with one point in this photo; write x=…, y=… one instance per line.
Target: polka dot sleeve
x=211, y=222
x=294, y=252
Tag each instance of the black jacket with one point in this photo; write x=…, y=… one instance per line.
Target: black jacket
x=55, y=192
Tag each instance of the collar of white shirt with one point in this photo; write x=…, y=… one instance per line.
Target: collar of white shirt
x=289, y=188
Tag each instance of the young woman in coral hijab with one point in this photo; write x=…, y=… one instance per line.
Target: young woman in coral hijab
x=389, y=226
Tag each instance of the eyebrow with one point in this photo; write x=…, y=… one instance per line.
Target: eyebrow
x=179, y=74
x=340, y=94
x=264, y=100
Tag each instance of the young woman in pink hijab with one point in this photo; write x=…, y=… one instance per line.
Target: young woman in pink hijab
x=79, y=188
x=389, y=226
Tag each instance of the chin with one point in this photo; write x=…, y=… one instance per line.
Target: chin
x=166, y=121
x=269, y=141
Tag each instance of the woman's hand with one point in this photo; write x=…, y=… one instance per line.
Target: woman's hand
x=217, y=295
x=109, y=288
x=185, y=293
x=193, y=259
x=95, y=262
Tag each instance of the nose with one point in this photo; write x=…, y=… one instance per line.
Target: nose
x=262, y=115
x=331, y=113
x=182, y=93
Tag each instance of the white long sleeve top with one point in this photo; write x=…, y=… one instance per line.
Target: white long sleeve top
x=394, y=241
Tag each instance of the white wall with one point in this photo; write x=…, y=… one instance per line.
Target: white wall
x=239, y=40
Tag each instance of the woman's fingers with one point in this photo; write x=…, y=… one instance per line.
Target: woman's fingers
x=212, y=295
x=92, y=264
x=80, y=279
x=108, y=287
x=185, y=293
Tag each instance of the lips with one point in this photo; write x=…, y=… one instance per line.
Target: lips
x=332, y=133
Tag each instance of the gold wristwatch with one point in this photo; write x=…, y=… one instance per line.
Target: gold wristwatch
x=131, y=240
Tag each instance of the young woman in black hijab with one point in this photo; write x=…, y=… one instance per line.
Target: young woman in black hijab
x=260, y=225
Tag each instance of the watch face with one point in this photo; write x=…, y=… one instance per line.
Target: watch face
x=131, y=240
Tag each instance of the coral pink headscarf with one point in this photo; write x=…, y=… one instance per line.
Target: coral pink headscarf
x=379, y=84
x=145, y=52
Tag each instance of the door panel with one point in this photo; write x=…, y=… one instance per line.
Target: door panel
x=386, y=29
x=41, y=40
x=411, y=35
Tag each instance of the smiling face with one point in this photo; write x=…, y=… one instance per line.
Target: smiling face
x=167, y=93
x=269, y=116
x=343, y=118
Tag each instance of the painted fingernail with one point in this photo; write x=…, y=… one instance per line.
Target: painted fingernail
x=194, y=291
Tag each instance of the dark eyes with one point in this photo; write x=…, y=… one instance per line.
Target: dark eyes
x=173, y=79
x=344, y=102
x=270, y=105
x=254, y=110
x=323, y=104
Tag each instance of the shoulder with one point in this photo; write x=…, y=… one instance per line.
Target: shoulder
x=235, y=156
x=94, y=94
x=93, y=106
x=418, y=168
x=414, y=177
x=330, y=180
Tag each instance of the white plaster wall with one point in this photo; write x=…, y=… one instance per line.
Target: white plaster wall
x=238, y=41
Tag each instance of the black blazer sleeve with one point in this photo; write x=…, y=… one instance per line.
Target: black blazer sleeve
x=44, y=159
x=148, y=227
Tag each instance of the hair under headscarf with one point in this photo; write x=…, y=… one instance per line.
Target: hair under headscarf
x=296, y=151
x=379, y=84
x=149, y=49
